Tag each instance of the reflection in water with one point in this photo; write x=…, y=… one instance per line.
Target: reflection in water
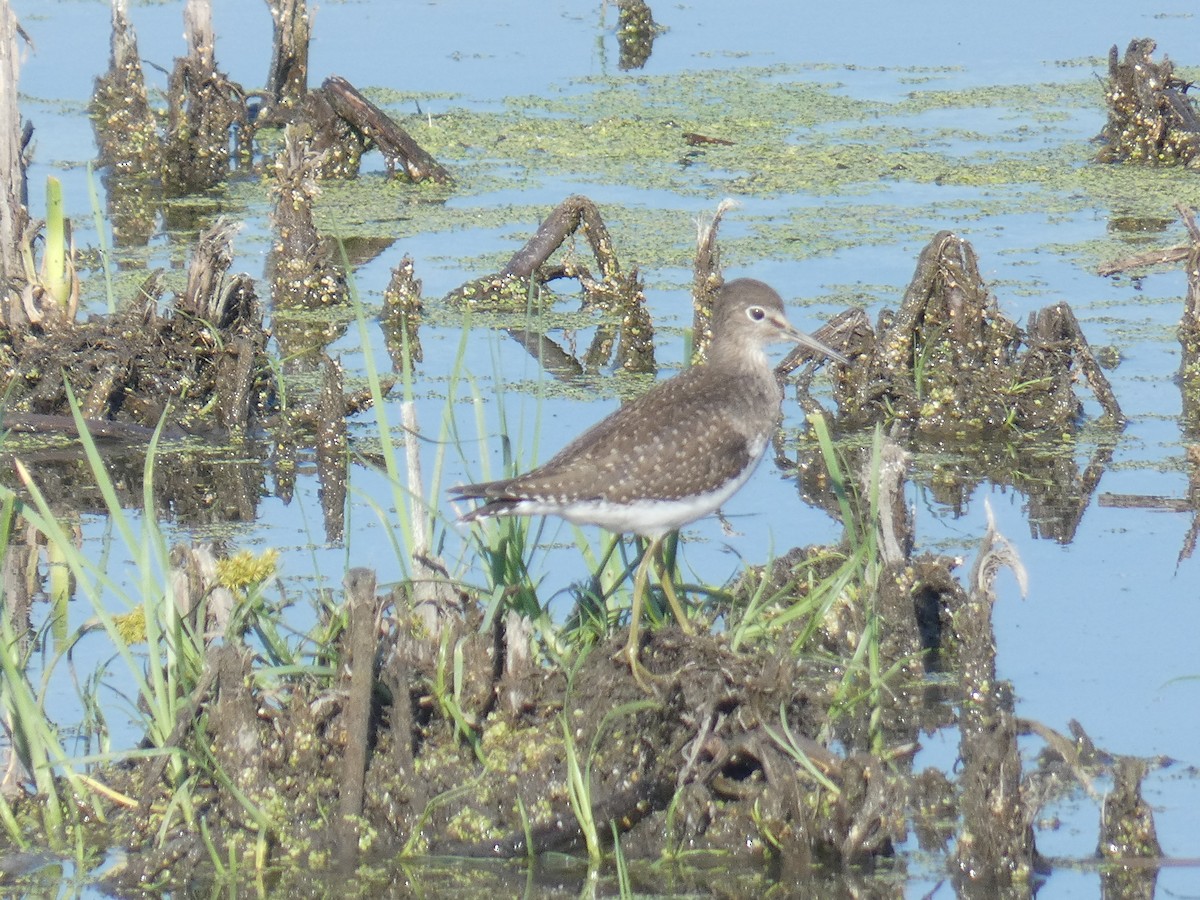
x=977, y=398
x=520, y=284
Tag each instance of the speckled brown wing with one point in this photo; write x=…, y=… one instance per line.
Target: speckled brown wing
x=635, y=453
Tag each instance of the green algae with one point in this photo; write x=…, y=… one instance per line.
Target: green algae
x=849, y=172
x=795, y=135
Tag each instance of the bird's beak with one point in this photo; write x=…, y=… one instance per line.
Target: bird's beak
x=790, y=332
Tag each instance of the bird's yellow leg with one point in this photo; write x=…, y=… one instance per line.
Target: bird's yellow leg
x=632, y=645
x=664, y=578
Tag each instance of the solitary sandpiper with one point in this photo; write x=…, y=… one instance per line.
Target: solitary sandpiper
x=674, y=454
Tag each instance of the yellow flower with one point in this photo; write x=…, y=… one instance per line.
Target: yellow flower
x=244, y=569
x=131, y=626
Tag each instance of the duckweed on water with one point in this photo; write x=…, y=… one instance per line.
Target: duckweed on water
x=793, y=135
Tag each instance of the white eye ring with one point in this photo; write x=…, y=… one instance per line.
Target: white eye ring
x=756, y=313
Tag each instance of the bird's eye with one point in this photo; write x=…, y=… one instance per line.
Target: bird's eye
x=756, y=313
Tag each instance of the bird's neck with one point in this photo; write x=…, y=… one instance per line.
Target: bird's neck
x=751, y=360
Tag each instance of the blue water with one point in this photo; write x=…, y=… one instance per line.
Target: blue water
x=1109, y=632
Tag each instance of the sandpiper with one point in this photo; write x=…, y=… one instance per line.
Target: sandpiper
x=673, y=455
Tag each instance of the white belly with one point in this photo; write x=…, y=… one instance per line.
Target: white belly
x=649, y=518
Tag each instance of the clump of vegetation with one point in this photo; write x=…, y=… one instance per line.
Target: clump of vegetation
x=1151, y=117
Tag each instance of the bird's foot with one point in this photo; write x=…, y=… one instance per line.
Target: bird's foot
x=629, y=655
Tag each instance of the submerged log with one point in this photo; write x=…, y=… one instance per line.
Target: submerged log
x=127, y=136
x=1151, y=118
x=529, y=270
x=949, y=366
x=204, y=367
x=1145, y=259
x=706, y=277
x=203, y=106
x=356, y=677
x=950, y=370
x=576, y=213
x=1056, y=347
x=302, y=267
x=1189, y=373
x=636, y=31
x=35, y=423
x=1128, y=833
x=287, y=80
x=397, y=146
x=125, y=126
